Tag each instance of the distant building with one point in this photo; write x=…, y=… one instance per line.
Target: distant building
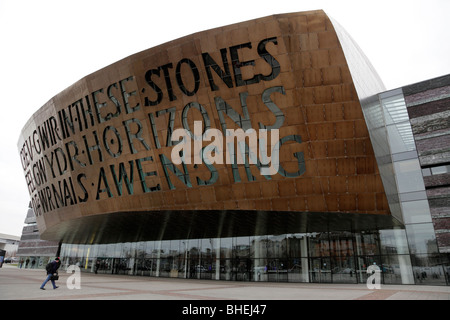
x=32, y=251
x=8, y=247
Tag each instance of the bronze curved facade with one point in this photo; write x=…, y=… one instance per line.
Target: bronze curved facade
x=97, y=156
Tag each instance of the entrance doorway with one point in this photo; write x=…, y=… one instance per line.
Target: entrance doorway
x=320, y=270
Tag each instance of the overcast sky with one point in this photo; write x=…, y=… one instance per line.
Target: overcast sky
x=48, y=45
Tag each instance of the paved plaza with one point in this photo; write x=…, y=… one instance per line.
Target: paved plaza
x=23, y=284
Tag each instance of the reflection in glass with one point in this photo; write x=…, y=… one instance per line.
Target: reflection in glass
x=320, y=270
x=428, y=269
x=295, y=245
x=409, y=176
x=393, y=242
x=276, y=246
x=396, y=269
x=416, y=211
x=327, y=257
x=367, y=243
x=421, y=238
x=241, y=247
x=319, y=245
x=343, y=269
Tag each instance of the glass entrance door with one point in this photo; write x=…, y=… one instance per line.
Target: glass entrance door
x=343, y=269
x=320, y=270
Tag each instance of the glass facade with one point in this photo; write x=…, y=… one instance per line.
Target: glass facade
x=322, y=257
x=394, y=146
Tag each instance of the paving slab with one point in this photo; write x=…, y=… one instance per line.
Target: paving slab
x=23, y=284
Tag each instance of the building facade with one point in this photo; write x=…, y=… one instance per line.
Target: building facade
x=33, y=252
x=8, y=248
x=259, y=151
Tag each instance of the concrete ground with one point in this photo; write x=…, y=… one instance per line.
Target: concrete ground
x=23, y=284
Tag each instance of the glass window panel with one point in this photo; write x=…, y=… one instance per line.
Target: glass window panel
x=133, y=249
x=194, y=252
x=421, y=238
x=94, y=251
x=165, y=248
x=296, y=244
x=394, y=108
x=379, y=141
x=445, y=260
x=319, y=245
x=389, y=183
x=208, y=250
x=101, y=250
x=416, y=211
x=393, y=242
x=396, y=269
x=105, y=265
x=341, y=244
x=241, y=247
x=373, y=113
x=149, y=249
x=117, y=249
x=165, y=264
x=320, y=269
x=175, y=247
x=140, y=249
x=428, y=269
x=193, y=258
x=110, y=250
x=409, y=176
x=183, y=260
x=260, y=269
x=183, y=246
x=367, y=244
x=126, y=250
x=400, y=137
x=175, y=258
x=226, y=245
x=276, y=246
x=258, y=247
x=80, y=250
x=226, y=269
x=343, y=269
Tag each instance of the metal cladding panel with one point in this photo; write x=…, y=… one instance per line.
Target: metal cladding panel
x=107, y=145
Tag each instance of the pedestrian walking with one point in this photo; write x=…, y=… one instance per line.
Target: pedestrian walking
x=52, y=271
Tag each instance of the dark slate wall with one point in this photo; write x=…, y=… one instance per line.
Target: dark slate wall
x=428, y=106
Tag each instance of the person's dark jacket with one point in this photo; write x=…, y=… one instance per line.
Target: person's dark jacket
x=54, y=265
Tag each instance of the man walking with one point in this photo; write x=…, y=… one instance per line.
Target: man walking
x=52, y=269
